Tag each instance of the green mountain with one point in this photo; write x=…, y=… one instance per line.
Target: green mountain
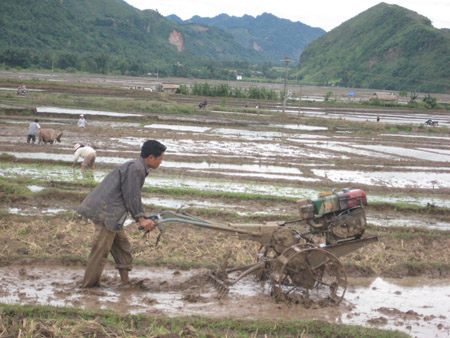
x=385, y=47
x=89, y=34
x=272, y=37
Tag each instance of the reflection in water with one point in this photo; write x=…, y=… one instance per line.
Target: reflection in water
x=380, y=220
x=298, y=127
x=421, y=304
x=178, y=127
x=394, y=179
x=59, y=110
x=35, y=188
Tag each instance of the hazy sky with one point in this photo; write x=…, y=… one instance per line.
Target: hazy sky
x=326, y=14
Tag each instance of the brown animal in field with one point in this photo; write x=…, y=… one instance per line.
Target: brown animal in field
x=49, y=135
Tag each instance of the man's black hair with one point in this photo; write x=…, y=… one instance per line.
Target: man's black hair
x=36, y=120
x=152, y=147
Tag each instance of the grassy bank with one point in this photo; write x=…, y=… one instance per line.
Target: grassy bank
x=44, y=321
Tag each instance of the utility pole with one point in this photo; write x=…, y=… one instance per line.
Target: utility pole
x=300, y=100
x=286, y=61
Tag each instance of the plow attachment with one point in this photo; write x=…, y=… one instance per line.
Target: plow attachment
x=297, y=269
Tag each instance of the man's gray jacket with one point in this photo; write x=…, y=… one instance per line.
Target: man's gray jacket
x=115, y=196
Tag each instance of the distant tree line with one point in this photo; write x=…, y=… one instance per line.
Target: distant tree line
x=225, y=90
x=72, y=62
x=23, y=58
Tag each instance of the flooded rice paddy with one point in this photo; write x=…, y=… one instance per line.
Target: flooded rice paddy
x=281, y=158
x=286, y=164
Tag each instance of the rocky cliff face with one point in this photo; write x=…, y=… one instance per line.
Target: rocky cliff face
x=257, y=47
x=176, y=39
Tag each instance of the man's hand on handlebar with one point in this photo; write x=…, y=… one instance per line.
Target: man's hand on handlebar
x=146, y=224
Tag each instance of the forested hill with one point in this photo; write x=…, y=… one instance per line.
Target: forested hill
x=385, y=47
x=90, y=34
x=271, y=36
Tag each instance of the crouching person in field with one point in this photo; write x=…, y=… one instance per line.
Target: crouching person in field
x=87, y=153
x=108, y=206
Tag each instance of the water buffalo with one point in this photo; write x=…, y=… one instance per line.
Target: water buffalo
x=49, y=135
x=431, y=122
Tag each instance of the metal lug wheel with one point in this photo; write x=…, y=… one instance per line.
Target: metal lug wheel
x=308, y=275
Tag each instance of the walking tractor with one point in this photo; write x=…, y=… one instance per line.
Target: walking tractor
x=299, y=266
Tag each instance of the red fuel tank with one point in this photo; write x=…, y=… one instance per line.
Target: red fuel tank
x=351, y=198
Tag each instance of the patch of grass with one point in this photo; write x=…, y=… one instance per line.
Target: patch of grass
x=11, y=192
x=7, y=157
x=23, y=232
x=415, y=231
x=185, y=110
x=415, y=269
x=81, y=183
x=241, y=110
x=406, y=207
x=60, y=194
x=37, y=321
x=220, y=194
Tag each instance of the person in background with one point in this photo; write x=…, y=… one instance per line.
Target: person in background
x=87, y=153
x=203, y=103
x=378, y=117
x=82, y=122
x=108, y=206
x=33, y=129
x=21, y=90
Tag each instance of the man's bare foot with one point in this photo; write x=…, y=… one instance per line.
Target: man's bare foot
x=124, y=276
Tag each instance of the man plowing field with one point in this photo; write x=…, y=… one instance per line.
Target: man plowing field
x=108, y=206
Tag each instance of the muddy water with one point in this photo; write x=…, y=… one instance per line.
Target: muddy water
x=417, y=306
x=35, y=211
x=404, y=221
x=420, y=307
x=390, y=179
x=69, y=111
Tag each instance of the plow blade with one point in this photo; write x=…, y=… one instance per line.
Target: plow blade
x=345, y=247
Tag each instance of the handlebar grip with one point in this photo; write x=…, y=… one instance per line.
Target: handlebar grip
x=140, y=227
x=154, y=217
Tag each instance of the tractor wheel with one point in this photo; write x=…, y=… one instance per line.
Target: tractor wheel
x=308, y=275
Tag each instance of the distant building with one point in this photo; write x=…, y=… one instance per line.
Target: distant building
x=239, y=77
x=170, y=88
x=384, y=97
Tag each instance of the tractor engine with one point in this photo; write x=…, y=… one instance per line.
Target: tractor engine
x=338, y=215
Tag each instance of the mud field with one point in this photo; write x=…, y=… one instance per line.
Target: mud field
x=227, y=165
